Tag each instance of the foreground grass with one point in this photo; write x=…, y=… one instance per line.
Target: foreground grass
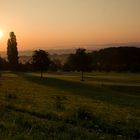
x=60, y=107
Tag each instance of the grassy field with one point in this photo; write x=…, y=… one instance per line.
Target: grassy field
x=105, y=106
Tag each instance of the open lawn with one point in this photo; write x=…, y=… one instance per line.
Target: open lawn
x=59, y=106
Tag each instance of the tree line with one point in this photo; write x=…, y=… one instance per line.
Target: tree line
x=118, y=59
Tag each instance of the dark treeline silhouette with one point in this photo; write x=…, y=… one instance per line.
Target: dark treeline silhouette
x=117, y=59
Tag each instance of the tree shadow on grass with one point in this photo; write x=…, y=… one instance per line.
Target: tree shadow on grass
x=103, y=93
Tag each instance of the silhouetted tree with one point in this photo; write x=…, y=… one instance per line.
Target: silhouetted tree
x=12, y=51
x=117, y=59
x=28, y=66
x=69, y=65
x=79, y=61
x=3, y=64
x=0, y=63
x=55, y=65
x=40, y=60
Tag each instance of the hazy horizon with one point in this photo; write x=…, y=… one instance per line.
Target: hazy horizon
x=66, y=24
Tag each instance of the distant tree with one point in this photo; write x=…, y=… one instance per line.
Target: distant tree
x=3, y=64
x=0, y=63
x=12, y=51
x=28, y=66
x=55, y=65
x=40, y=60
x=79, y=61
x=117, y=59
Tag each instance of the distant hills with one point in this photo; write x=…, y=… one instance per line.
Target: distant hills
x=70, y=49
x=30, y=52
x=62, y=54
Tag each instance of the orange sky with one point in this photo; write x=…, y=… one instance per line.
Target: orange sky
x=55, y=23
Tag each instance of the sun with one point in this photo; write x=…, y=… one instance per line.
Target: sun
x=1, y=34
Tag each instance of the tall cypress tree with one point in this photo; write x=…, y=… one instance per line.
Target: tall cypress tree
x=12, y=51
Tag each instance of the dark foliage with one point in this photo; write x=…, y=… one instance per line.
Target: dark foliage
x=55, y=65
x=40, y=60
x=12, y=52
x=80, y=61
x=117, y=59
x=3, y=64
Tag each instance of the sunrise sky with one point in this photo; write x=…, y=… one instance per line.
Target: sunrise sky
x=55, y=23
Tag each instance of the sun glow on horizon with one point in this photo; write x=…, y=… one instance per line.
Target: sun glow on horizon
x=69, y=23
x=1, y=34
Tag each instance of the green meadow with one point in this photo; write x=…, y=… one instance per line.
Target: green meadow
x=106, y=106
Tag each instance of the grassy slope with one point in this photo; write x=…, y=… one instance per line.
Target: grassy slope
x=59, y=106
